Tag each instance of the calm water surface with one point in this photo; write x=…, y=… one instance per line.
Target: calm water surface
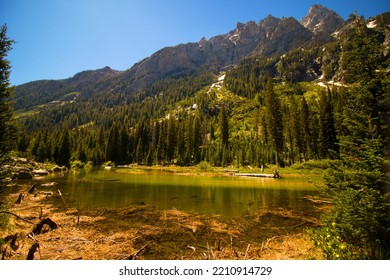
x=229, y=196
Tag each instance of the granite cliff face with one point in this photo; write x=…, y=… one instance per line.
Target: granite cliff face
x=271, y=36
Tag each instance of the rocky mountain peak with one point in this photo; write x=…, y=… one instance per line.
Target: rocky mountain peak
x=321, y=19
x=269, y=23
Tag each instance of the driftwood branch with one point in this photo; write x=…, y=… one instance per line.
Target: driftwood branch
x=32, y=189
x=62, y=198
x=134, y=255
x=17, y=216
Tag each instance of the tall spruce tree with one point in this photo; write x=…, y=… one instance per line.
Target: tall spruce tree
x=224, y=135
x=7, y=128
x=274, y=121
x=224, y=127
x=64, y=149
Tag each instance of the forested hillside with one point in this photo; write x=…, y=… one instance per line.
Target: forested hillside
x=265, y=110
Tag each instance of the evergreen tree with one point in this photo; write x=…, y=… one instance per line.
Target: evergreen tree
x=296, y=128
x=7, y=128
x=113, y=144
x=328, y=134
x=224, y=127
x=305, y=128
x=359, y=224
x=274, y=121
x=64, y=149
x=171, y=138
x=224, y=135
x=197, y=138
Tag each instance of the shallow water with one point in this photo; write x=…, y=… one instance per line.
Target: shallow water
x=224, y=195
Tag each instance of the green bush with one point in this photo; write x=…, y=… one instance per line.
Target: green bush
x=77, y=164
x=358, y=227
x=204, y=166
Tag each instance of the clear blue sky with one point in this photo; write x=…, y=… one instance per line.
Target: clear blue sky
x=59, y=38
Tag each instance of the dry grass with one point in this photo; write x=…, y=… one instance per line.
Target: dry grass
x=142, y=232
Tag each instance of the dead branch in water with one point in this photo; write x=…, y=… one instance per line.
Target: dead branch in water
x=62, y=198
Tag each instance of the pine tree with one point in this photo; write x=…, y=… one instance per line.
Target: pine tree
x=296, y=129
x=224, y=127
x=328, y=134
x=113, y=144
x=305, y=128
x=64, y=152
x=7, y=128
x=358, y=225
x=171, y=138
x=274, y=121
x=197, y=138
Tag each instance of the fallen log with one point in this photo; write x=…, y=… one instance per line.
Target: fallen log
x=258, y=175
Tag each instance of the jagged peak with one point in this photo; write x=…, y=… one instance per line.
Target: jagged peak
x=320, y=19
x=269, y=23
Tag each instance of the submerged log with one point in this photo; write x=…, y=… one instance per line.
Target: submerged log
x=259, y=175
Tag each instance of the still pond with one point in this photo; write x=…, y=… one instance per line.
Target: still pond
x=223, y=195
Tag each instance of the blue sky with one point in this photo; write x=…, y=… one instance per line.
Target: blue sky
x=59, y=38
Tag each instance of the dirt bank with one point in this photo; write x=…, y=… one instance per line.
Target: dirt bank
x=142, y=232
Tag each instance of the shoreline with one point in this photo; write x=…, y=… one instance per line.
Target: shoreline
x=143, y=232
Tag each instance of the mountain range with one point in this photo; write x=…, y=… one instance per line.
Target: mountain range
x=270, y=37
